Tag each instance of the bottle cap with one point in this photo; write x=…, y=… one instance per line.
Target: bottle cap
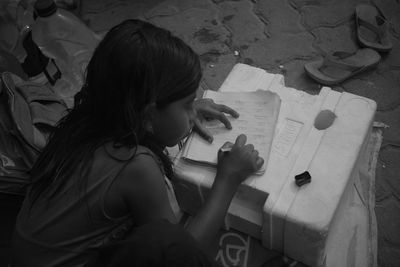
x=45, y=8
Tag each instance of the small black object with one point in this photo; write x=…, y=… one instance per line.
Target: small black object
x=36, y=62
x=303, y=178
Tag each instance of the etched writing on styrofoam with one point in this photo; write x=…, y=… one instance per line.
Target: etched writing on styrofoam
x=233, y=250
x=287, y=137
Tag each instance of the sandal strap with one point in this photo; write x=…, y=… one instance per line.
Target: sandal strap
x=341, y=54
x=380, y=30
x=335, y=60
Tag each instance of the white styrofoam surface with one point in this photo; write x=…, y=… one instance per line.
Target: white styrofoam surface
x=293, y=220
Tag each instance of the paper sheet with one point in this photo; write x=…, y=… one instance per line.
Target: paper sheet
x=258, y=115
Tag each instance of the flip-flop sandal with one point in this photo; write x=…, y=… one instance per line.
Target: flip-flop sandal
x=339, y=66
x=372, y=28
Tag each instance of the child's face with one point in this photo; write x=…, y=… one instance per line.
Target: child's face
x=174, y=122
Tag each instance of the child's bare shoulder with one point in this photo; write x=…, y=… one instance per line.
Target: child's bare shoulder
x=143, y=170
x=142, y=188
x=143, y=165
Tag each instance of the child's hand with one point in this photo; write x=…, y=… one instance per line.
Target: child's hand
x=239, y=163
x=207, y=109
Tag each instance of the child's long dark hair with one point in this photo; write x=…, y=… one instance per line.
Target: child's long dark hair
x=135, y=64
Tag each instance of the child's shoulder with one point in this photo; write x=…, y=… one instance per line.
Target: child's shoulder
x=139, y=181
x=137, y=160
x=124, y=153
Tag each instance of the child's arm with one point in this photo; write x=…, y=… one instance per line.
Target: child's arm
x=144, y=193
x=233, y=168
x=205, y=225
x=143, y=190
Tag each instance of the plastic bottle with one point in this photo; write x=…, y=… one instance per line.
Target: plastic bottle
x=18, y=53
x=60, y=35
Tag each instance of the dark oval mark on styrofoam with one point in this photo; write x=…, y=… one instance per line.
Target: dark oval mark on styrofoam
x=324, y=119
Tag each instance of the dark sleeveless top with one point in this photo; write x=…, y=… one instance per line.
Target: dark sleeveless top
x=69, y=229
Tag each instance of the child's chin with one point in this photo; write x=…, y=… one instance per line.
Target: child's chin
x=172, y=144
x=178, y=140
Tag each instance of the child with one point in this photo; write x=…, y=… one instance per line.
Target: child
x=104, y=170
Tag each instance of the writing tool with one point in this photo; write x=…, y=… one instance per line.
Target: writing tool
x=225, y=149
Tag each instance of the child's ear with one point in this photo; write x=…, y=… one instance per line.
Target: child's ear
x=150, y=111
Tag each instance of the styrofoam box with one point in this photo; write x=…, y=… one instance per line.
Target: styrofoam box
x=296, y=221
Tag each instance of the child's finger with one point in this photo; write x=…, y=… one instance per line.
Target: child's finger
x=255, y=153
x=249, y=147
x=259, y=162
x=222, y=118
x=241, y=140
x=228, y=110
x=202, y=130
